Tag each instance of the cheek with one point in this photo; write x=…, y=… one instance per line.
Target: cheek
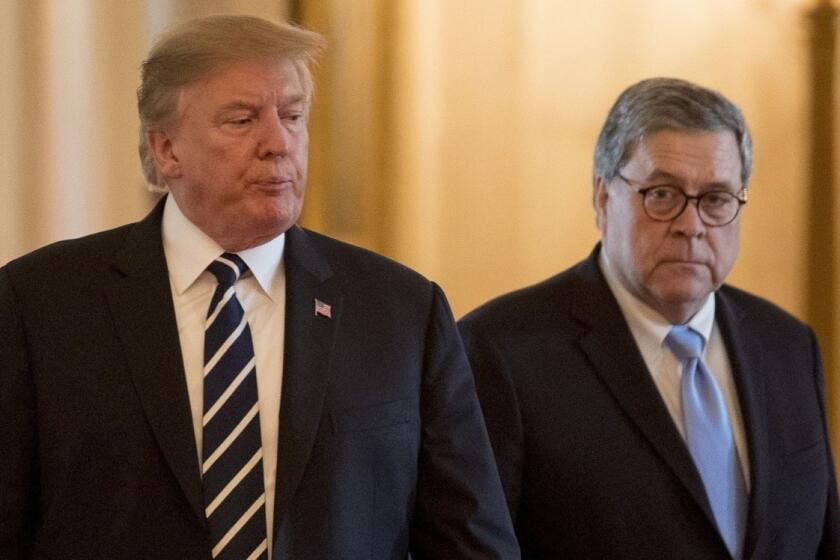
x=726, y=251
x=645, y=241
x=300, y=156
x=627, y=251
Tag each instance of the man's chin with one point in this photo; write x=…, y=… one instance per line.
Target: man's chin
x=689, y=300
x=256, y=229
x=278, y=216
x=270, y=229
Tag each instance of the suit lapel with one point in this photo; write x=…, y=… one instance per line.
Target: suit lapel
x=610, y=347
x=140, y=300
x=308, y=347
x=745, y=360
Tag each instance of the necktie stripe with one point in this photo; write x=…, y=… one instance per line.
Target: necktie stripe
x=216, y=453
x=232, y=532
x=216, y=339
x=226, y=351
x=224, y=373
x=230, y=510
x=229, y=416
x=232, y=470
x=245, y=540
x=233, y=266
x=231, y=462
x=249, y=466
x=223, y=398
x=263, y=547
x=217, y=307
x=227, y=344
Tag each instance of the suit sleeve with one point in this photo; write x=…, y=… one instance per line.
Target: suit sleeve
x=18, y=497
x=500, y=405
x=830, y=544
x=460, y=507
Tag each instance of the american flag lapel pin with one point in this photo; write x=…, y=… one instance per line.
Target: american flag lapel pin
x=323, y=309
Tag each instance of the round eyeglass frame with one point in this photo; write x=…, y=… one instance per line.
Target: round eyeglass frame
x=686, y=198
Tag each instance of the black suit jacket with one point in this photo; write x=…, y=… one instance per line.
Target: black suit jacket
x=591, y=461
x=382, y=449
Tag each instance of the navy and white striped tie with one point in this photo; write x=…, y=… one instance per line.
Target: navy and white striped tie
x=232, y=471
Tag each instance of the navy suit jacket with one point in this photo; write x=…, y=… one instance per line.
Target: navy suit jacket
x=382, y=449
x=591, y=461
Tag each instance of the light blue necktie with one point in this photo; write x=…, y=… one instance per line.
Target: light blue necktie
x=232, y=472
x=708, y=434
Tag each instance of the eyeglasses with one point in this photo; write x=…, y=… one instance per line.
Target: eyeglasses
x=664, y=203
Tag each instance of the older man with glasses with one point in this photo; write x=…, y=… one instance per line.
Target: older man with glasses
x=638, y=406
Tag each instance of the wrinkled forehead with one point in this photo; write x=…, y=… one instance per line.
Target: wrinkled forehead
x=700, y=145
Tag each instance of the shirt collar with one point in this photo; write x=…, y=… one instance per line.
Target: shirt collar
x=189, y=251
x=645, y=321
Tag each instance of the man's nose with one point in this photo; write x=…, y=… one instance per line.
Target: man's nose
x=689, y=221
x=274, y=138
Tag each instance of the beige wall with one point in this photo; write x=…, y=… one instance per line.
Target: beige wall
x=466, y=152
x=68, y=136
x=495, y=111
x=469, y=142
x=455, y=136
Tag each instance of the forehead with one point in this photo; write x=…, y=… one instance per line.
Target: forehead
x=251, y=82
x=689, y=155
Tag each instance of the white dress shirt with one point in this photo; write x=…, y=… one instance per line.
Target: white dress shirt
x=262, y=293
x=649, y=330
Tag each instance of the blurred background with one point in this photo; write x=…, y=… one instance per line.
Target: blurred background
x=455, y=136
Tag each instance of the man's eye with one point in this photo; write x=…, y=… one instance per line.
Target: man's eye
x=662, y=194
x=238, y=120
x=716, y=198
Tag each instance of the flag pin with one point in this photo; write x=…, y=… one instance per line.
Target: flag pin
x=323, y=309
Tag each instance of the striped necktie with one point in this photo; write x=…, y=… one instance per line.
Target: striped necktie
x=232, y=471
x=708, y=434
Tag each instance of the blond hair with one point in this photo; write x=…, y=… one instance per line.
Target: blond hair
x=193, y=50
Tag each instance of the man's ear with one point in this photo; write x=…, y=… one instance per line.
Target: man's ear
x=600, y=196
x=160, y=146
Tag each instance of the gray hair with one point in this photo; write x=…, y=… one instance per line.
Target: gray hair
x=192, y=51
x=666, y=103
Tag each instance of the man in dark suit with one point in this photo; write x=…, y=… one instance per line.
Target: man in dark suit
x=639, y=407
x=144, y=410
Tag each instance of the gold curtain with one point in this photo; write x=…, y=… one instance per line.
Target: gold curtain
x=457, y=137
x=821, y=270
x=68, y=136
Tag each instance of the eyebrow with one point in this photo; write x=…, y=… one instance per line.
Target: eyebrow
x=241, y=104
x=300, y=98
x=236, y=105
x=662, y=175
x=659, y=175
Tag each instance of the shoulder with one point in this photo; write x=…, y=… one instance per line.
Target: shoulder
x=69, y=258
x=361, y=266
x=372, y=286
x=533, y=307
x=762, y=316
x=755, y=322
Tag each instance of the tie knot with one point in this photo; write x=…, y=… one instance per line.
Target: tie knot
x=228, y=268
x=685, y=342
